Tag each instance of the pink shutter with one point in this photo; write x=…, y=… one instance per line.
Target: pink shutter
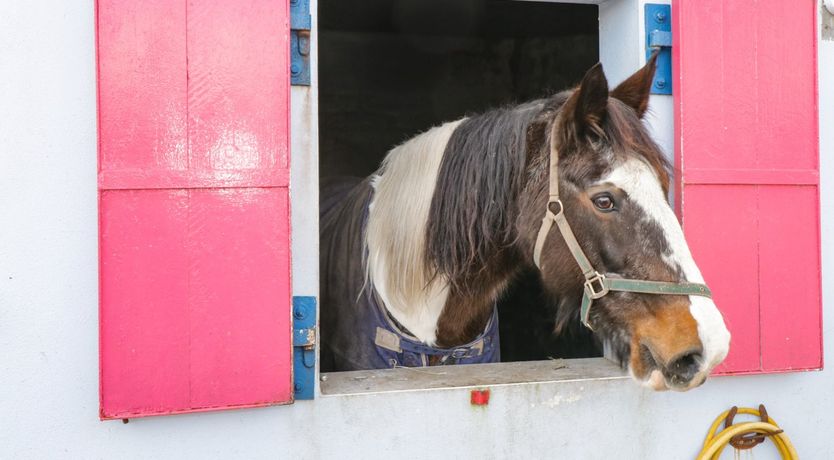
x=193, y=205
x=747, y=159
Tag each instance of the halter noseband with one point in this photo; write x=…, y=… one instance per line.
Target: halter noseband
x=597, y=285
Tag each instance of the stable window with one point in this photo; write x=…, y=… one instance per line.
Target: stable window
x=194, y=222
x=389, y=70
x=746, y=181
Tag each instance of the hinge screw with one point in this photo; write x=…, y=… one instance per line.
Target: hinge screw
x=295, y=69
x=297, y=387
x=298, y=313
x=660, y=16
x=660, y=83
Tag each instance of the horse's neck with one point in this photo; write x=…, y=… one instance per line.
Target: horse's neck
x=463, y=319
x=466, y=314
x=447, y=317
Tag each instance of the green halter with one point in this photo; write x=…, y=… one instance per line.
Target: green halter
x=597, y=285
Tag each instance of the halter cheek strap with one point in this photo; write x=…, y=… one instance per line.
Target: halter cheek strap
x=596, y=285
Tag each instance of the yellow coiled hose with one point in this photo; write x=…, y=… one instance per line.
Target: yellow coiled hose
x=716, y=441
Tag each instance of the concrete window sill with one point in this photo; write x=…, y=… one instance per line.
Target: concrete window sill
x=474, y=375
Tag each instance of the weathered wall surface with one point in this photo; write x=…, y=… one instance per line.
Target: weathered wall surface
x=49, y=329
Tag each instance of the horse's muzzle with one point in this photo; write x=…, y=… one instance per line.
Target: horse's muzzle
x=680, y=372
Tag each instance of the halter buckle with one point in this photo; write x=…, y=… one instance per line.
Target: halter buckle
x=595, y=286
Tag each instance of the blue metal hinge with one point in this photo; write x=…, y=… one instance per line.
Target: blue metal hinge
x=304, y=346
x=300, y=25
x=658, y=21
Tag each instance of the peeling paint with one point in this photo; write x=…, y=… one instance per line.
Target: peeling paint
x=826, y=24
x=559, y=399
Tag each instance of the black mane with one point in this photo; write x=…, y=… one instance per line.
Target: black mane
x=474, y=207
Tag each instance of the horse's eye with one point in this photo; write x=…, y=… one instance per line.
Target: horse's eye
x=604, y=202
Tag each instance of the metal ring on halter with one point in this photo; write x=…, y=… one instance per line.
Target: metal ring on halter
x=556, y=201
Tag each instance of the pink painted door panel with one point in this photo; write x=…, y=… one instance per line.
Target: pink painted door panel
x=726, y=255
x=193, y=205
x=747, y=164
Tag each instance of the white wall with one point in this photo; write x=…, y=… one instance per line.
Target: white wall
x=48, y=319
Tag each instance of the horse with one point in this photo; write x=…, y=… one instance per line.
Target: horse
x=571, y=187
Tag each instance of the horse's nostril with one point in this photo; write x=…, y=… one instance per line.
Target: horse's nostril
x=683, y=369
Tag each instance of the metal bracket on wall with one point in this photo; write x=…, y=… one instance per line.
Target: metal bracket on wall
x=304, y=346
x=300, y=25
x=658, y=22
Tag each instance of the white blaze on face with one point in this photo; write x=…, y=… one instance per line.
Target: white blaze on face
x=640, y=182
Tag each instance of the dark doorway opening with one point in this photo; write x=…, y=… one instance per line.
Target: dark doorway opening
x=390, y=69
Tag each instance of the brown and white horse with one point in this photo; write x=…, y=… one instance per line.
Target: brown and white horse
x=452, y=216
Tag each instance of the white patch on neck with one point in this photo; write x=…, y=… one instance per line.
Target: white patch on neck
x=396, y=232
x=640, y=181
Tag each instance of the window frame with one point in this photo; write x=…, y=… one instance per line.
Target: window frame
x=622, y=49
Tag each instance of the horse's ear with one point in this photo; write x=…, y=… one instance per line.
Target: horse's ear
x=635, y=90
x=586, y=107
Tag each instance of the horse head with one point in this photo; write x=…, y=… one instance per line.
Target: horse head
x=612, y=185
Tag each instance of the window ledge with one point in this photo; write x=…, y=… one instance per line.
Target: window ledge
x=472, y=375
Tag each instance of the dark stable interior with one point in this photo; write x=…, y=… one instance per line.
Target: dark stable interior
x=390, y=69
